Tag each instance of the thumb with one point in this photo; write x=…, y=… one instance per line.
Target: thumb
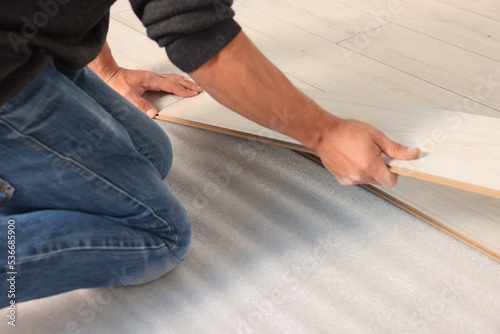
x=397, y=151
x=145, y=106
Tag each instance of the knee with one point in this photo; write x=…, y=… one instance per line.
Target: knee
x=182, y=236
x=162, y=147
x=177, y=237
x=159, y=263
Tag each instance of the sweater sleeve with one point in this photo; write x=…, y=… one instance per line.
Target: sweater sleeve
x=192, y=31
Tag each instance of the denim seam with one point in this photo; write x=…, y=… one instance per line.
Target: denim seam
x=91, y=248
x=85, y=169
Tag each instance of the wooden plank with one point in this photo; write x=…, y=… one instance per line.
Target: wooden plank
x=447, y=66
x=330, y=20
x=442, y=21
x=467, y=142
x=470, y=217
x=129, y=19
x=490, y=9
x=120, y=6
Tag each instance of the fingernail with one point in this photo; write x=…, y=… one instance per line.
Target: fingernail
x=413, y=150
x=151, y=113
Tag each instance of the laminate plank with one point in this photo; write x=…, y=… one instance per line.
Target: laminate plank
x=120, y=6
x=467, y=142
x=490, y=10
x=330, y=20
x=131, y=20
x=453, y=68
x=491, y=3
x=468, y=216
x=442, y=21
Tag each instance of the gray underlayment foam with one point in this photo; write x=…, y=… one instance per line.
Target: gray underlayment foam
x=279, y=247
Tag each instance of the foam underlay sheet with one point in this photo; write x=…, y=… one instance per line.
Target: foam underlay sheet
x=280, y=247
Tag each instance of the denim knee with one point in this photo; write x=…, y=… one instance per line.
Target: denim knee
x=183, y=235
x=158, y=265
x=164, y=153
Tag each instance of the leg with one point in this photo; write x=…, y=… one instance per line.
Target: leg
x=89, y=209
x=148, y=138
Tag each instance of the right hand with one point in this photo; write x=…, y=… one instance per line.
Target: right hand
x=352, y=152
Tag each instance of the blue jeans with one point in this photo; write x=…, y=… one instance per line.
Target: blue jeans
x=82, y=197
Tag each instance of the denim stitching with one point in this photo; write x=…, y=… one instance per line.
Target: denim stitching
x=73, y=249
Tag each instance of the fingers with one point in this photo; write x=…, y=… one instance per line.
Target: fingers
x=383, y=175
x=145, y=106
x=378, y=174
x=396, y=150
x=176, y=84
x=354, y=154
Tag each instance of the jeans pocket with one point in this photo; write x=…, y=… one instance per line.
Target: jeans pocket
x=6, y=192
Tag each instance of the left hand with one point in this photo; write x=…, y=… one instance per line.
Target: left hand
x=133, y=83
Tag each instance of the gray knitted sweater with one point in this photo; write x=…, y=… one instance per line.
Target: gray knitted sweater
x=36, y=32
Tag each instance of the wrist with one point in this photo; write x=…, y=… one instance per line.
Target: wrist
x=104, y=65
x=105, y=71
x=316, y=129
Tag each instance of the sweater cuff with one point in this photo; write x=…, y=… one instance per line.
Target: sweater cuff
x=190, y=52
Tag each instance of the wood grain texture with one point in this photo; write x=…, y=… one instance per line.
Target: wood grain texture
x=487, y=8
x=330, y=20
x=470, y=217
x=466, y=73
x=457, y=26
x=120, y=6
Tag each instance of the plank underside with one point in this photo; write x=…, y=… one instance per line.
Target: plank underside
x=391, y=76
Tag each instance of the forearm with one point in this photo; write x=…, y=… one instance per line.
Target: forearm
x=244, y=80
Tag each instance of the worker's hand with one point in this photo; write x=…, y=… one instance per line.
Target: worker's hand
x=352, y=152
x=133, y=83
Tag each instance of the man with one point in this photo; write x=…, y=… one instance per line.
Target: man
x=82, y=168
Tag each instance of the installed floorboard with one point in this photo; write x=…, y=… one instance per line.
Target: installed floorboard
x=330, y=20
x=440, y=63
x=442, y=21
x=131, y=20
x=490, y=9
